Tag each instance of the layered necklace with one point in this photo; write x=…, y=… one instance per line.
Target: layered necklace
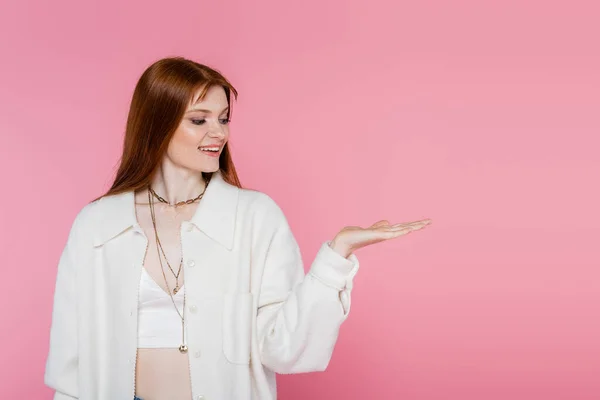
x=151, y=195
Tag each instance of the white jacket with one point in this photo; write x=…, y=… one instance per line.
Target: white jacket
x=251, y=311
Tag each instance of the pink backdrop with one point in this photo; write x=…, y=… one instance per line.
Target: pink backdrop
x=484, y=118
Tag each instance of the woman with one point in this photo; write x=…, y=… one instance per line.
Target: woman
x=180, y=284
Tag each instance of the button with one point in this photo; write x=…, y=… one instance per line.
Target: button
x=193, y=309
x=197, y=354
x=191, y=263
x=131, y=313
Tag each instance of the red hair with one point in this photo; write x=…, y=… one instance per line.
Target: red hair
x=159, y=102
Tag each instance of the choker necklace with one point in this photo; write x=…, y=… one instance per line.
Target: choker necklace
x=179, y=203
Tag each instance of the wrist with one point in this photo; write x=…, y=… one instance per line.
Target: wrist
x=340, y=248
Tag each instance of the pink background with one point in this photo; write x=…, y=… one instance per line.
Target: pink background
x=484, y=118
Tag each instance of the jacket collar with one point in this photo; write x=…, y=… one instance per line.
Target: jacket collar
x=215, y=214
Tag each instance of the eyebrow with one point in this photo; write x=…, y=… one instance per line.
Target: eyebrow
x=205, y=110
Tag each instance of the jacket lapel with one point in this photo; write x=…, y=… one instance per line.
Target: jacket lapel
x=215, y=214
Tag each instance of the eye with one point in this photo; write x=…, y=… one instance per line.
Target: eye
x=198, y=121
x=224, y=121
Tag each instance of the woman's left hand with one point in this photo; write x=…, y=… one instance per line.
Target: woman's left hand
x=352, y=238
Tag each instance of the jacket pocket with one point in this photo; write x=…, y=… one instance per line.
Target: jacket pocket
x=237, y=327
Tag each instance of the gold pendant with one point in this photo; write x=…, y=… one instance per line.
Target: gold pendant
x=176, y=289
x=183, y=349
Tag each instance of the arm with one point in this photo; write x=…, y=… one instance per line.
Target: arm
x=299, y=316
x=62, y=363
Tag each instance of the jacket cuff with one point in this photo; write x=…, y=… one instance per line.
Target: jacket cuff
x=333, y=269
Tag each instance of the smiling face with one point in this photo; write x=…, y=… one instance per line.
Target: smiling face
x=202, y=133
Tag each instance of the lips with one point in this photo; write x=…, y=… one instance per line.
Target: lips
x=210, y=146
x=211, y=150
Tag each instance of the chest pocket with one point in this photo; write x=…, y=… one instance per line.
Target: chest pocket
x=237, y=327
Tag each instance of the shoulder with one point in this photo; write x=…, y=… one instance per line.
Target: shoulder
x=259, y=202
x=85, y=219
x=261, y=206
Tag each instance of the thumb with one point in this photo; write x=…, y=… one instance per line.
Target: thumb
x=379, y=224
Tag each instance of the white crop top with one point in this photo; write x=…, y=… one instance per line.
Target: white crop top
x=159, y=324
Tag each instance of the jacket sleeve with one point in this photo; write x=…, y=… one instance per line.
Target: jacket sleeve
x=299, y=316
x=62, y=363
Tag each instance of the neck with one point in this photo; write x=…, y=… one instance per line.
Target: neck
x=176, y=184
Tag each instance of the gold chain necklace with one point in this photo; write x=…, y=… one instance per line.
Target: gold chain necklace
x=179, y=203
x=183, y=347
x=176, y=275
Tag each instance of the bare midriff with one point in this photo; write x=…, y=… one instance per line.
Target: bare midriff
x=162, y=374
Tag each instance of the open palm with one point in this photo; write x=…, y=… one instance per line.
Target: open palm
x=352, y=238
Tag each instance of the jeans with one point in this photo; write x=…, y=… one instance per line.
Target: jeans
x=137, y=398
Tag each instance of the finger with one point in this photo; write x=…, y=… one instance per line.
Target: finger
x=425, y=221
x=409, y=226
x=378, y=224
x=395, y=233
x=422, y=221
x=415, y=223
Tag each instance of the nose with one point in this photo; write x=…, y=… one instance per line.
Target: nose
x=217, y=130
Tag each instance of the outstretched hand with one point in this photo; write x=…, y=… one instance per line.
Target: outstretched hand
x=352, y=238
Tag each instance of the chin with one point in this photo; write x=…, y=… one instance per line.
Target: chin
x=210, y=169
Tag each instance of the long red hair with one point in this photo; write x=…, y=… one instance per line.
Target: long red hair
x=159, y=102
